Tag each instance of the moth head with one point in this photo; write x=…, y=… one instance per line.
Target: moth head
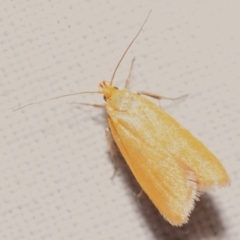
x=106, y=89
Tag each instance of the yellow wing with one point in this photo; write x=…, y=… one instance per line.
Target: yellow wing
x=170, y=164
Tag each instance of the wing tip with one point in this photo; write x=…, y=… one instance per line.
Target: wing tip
x=197, y=190
x=219, y=183
x=194, y=196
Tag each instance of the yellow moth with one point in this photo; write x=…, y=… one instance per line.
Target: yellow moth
x=172, y=167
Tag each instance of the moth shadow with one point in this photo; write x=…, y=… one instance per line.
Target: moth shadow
x=204, y=223
x=205, y=220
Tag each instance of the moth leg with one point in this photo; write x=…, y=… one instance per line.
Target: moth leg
x=129, y=75
x=112, y=150
x=140, y=193
x=89, y=104
x=139, y=198
x=158, y=96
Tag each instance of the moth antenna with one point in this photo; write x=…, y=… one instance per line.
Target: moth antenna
x=67, y=95
x=128, y=48
x=72, y=94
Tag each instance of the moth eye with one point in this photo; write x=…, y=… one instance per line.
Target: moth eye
x=104, y=97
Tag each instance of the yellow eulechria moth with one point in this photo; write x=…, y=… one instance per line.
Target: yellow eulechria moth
x=172, y=167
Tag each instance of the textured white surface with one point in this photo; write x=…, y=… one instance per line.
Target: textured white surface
x=55, y=165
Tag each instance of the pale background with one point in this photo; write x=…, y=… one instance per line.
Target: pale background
x=55, y=165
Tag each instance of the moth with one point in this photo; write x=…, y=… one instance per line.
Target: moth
x=172, y=167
